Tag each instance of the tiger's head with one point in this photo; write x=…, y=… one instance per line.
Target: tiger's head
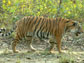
x=73, y=27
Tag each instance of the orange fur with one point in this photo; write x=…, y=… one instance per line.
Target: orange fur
x=55, y=26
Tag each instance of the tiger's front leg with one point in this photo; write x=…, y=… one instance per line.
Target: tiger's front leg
x=29, y=40
x=52, y=47
x=58, y=40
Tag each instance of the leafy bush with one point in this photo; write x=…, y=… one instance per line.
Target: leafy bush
x=13, y=10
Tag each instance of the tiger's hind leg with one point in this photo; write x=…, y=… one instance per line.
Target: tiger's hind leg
x=16, y=40
x=31, y=48
x=53, y=45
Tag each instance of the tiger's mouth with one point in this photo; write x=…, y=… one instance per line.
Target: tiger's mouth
x=78, y=33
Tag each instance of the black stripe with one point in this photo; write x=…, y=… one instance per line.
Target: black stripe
x=54, y=24
x=52, y=21
x=28, y=18
x=12, y=31
x=48, y=34
x=6, y=34
x=41, y=27
x=42, y=32
x=30, y=21
x=57, y=24
x=48, y=31
x=35, y=20
x=37, y=25
x=2, y=30
x=47, y=25
x=3, y=34
x=38, y=34
x=50, y=26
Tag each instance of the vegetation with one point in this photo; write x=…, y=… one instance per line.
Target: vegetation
x=12, y=10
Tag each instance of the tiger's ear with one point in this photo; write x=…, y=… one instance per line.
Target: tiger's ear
x=75, y=23
x=67, y=21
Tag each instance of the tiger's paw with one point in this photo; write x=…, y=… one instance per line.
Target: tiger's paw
x=32, y=50
x=16, y=51
x=63, y=52
x=52, y=52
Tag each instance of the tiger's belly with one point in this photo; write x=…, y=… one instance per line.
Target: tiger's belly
x=40, y=35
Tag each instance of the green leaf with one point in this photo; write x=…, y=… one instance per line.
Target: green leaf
x=12, y=10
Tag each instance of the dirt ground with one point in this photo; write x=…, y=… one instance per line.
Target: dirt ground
x=73, y=51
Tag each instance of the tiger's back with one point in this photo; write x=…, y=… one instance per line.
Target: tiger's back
x=39, y=26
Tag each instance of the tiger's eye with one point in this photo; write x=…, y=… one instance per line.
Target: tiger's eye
x=74, y=24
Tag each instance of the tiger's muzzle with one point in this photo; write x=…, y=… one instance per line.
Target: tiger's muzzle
x=78, y=33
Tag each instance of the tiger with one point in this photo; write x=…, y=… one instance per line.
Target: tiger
x=52, y=29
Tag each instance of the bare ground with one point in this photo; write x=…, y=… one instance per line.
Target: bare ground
x=73, y=51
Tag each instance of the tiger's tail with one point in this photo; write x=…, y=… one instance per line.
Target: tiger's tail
x=3, y=32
